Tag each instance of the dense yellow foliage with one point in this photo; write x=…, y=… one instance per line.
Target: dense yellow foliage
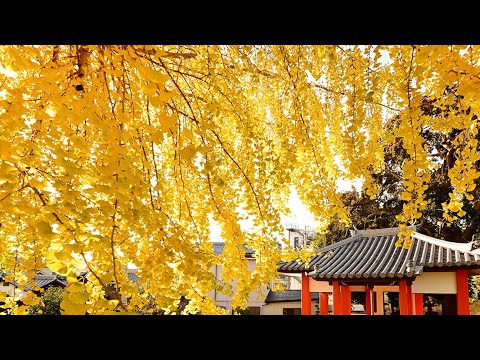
x=123, y=154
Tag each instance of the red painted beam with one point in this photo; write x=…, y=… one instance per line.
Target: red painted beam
x=337, y=298
x=306, y=297
x=463, y=304
x=403, y=296
x=346, y=300
x=323, y=307
x=418, y=304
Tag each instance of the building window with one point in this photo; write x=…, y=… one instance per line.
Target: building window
x=296, y=242
x=254, y=310
x=6, y=283
x=292, y=311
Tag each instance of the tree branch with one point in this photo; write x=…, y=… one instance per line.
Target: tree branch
x=243, y=173
x=13, y=192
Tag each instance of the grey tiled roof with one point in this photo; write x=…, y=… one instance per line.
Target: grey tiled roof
x=133, y=277
x=218, y=249
x=44, y=280
x=373, y=254
x=286, y=295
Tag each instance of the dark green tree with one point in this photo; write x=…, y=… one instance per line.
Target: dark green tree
x=49, y=302
x=381, y=211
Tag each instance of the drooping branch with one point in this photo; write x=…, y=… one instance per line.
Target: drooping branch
x=241, y=170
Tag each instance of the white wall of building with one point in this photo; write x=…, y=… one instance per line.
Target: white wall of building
x=292, y=235
x=435, y=283
x=276, y=308
x=8, y=289
x=295, y=281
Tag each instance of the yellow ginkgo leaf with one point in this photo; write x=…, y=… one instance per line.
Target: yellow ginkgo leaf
x=70, y=308
x=78, y=297
x=74, y=287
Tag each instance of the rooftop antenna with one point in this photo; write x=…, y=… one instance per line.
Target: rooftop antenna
x=354, y=231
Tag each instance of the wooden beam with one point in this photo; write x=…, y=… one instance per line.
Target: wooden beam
x=323, y=300
x=418, y=304
x=306, y=297
x=463, y=303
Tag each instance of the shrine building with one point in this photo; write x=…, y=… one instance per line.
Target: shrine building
x=388, y=279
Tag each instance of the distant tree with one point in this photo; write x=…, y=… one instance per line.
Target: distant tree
x=443, y=149
x=49, y=302
x=242, y=311
x=474, y=287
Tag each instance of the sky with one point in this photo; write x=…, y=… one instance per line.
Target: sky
x=300, y=216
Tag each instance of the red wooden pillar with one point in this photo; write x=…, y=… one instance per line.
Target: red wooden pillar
x=409, y=299
x=403, y=297
x=368, y=300
x=306, y=296
x=463, y=304
x=418, y=304
x=346, y=300
x=337, y=298
x=323, y=306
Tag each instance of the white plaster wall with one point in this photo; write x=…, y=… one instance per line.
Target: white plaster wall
x=295, y=282
x=435, y=283
x=277, y=307
x=6, y=289
x=291, y=237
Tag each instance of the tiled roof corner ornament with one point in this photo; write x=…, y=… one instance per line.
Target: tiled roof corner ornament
x=316, y=268
x=475, y=243
x=409, y=268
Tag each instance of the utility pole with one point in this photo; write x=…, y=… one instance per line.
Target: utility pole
x=305, y=238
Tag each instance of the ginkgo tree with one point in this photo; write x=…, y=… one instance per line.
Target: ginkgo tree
x=116, y=155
